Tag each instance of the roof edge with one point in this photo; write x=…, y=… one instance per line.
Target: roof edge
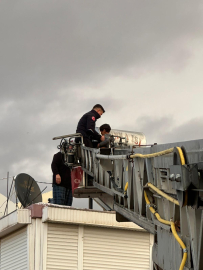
x=91, y=218
x=14, y=221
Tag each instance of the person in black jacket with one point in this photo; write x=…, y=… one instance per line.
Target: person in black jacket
x=86, y=125
x=62, y=192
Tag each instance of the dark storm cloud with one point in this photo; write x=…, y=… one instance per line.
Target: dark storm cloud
x=49, y=50
x=47, y=45
x=165, y=130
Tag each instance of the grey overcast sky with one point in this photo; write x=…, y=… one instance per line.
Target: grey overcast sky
x=141, y=59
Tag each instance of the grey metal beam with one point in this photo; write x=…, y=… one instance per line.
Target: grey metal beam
x=103, y=188
x=200, y=248
x=134, y=217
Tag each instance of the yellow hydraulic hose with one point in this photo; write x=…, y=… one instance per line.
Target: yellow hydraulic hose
x=171, y=223
x=169, y=198
x=165, y=152
x=182, y=158
x=125, y=189
x=126, y=186
x=158, y=154
x=181, y=244
x=154, y=211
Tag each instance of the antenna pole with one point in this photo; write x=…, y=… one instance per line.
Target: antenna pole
x=8, y=197
x=7, y=190
x=16, y=196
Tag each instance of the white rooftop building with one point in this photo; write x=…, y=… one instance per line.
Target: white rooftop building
x=52, y=237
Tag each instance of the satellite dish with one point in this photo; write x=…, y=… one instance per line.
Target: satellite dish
x=27, y=190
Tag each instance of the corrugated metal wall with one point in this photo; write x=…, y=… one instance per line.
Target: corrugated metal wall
x=14, y=251
x=115, y=249
x=62, y=247
x=95, y=248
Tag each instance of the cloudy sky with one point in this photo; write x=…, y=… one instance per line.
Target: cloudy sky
x=141, y=59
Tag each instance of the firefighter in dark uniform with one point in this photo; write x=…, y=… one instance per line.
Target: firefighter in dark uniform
x=86, y=126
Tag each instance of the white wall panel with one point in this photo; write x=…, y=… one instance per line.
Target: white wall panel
x=62, y=247
x=14, y=251
x=115, y=249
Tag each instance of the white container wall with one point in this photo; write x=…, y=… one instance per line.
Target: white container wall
x=48, y=237
x=14, y=251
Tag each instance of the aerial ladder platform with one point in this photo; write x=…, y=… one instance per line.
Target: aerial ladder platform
x=158, y=187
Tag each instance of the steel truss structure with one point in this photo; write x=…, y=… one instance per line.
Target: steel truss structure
x=160, y=188
x=125, y=180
